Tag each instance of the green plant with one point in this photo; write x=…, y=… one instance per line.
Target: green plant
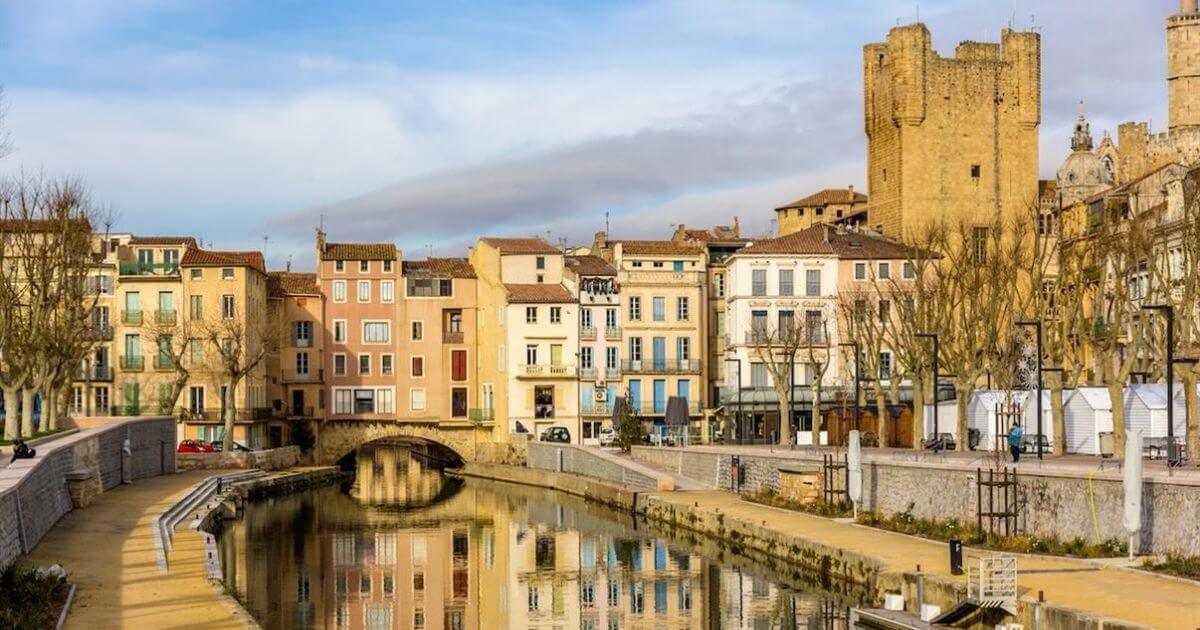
x=27, y=599
x=1182, y=566
x=628, y=429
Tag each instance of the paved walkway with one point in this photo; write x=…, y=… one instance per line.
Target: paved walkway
x=108, y=551
x=1092, y=586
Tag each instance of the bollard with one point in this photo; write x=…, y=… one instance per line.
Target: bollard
x=956, y=557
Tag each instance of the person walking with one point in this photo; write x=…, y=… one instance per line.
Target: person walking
x=1014, y=440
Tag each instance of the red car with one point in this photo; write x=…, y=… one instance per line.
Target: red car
x=195, y=446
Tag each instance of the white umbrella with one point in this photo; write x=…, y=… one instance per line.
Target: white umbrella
x=1132, y=469
x=854, y=470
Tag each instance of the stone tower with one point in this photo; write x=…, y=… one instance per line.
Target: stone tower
x=950, y=137
x=1183, y=67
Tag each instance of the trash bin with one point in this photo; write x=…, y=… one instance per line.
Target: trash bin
x=956, y=557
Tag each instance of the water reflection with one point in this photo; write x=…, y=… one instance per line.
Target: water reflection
x=403, y=547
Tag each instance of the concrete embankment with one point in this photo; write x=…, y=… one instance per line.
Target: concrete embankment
x=1079, y=594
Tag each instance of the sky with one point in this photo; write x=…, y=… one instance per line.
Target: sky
x=248, y=124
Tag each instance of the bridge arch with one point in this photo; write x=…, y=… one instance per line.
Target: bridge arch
x=338, y=438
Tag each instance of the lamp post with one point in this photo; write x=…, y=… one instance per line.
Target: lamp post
x=1037, y=325
x=736, y=420
x=934, y=361
x=857, y=358
x=1169, y=312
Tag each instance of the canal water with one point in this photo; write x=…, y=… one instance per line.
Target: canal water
x=405, y=546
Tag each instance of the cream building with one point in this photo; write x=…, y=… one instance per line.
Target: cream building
x=594, y=283
x=296, y=370
x=529, y=367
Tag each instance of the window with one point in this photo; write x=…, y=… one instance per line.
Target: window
x=812, y=282
x=418, y=331
x=227, y=273
x=429, y=287
x=386, y=364
x=339, y=364
x=364, y=291
x=418, y=367
x=719, y=285
x=196, y=307
x=377, y=332
x=343, y=401
x=885, y=310
x=555, y=314
x=227, y=307
x=610, y=317
x=910, y=270
x=660, y=309
x=611, y=357
x=759, y=377
x=635, y=263
x=197, y=274
x=387, y=266
x=1176, y=263
x=683, y=349
x=302, y=334
x=531, y=354
x=885, y=271
x=885, y=364
x=339, y=290
x=758, y=282
x=585, y=318
x=860, y=271
x=530, y=314
x=586, y=358
x=339, y=266
x=814, y=324
x=196, y=351
x=635, y=308
x=301, y=363
x=541, y=278
x=339, y=331
x=635, y=348
x=785, y=282
x=416, y=399
x=541, y=262
x=458, y=402
x=1045, y=225
x=364, y=364
x=387, y=291
x=683, y=309
x=364, y=266
x=384, y=402
x=979, y=242
x=364, y=401
x=458, y=365
x=975, y=171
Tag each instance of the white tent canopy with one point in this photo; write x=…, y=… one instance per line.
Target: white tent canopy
x=1146, y=409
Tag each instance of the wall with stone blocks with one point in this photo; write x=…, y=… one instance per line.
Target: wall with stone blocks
x=33, y=493
x=1050, y=504
x=575, y=460
x=269, y=459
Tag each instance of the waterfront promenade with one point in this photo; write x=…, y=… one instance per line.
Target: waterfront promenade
x=107, y=549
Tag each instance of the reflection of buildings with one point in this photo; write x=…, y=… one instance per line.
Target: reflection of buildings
x=404, y=553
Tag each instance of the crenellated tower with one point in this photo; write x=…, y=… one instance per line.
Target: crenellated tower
x=1183, y=67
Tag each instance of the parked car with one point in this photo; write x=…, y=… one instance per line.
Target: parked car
x=1028, y=445
x=607, y=436
x=195, y=446
x=556, y=434
x=219, y=445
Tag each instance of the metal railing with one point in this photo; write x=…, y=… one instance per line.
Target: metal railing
x=165, y=317
x=302, y=342
x=149, y=269
x=594, y=408
x=547, y=370
x=659, y=407
x=587, y=373
x=661, y=366
x=133, y=318
x=98, y=332
x=162, y=362
x=133, y=364
x=94, y=373
x=587, y=333
x=612, y=333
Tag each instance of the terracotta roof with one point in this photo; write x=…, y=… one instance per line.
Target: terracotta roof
x=826, y=197
x=521, y=245
x=163, y=240
x=849, y=245
x=359, y=251
x=452, y=267
x=538, y=294
x=659, y=248
x=206, y=258
x=706, y=236
x=590, y=266
x=281, y=283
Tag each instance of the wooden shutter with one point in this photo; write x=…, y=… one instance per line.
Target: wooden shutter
x=458, y=365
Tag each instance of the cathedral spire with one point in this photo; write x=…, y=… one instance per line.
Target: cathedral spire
x=1082, y=140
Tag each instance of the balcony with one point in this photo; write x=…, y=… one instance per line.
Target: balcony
x=481, y=415
x=300, y=412
x=302, y=342
x=596, y=408
x=131, y=318
x=449, y=336
x=94, y=373
x=612, y=333
x=764, y=338
x=546, y=371
x=664, y=276
x=659, y=407
x=133, y=363
x=612, y=372
x=587, y=333
x=587, y=373
x=164, y=363
x=149, y=269
x=662, y=366
x=165, y=317
x=98, y=332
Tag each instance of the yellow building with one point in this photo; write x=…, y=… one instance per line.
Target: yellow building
x=950, y=137
x=295, y=376
x=831, y=205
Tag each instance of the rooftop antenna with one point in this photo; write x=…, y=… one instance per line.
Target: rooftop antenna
x=606, y=221
x=322, y=224
x=918, y=12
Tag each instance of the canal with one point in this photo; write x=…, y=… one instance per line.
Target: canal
x=406, y=546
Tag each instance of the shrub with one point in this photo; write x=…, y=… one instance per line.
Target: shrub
x=1182, y=566
x=27, y=600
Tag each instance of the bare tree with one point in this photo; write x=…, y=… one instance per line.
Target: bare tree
x=239, y=346
x=817, y=356
x=180, y=347
x=777, y=347
x=864, y=314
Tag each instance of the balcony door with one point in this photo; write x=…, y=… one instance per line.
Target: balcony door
x=298, y=402
x=660, y=396
x=659, y=353
x=196, y=399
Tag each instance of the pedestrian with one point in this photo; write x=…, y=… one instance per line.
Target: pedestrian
x=21, y=450
x=1014, y=440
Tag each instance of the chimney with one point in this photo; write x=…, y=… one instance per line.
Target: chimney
x=851, y=189
x=600, y=241
x=825, y=227
x=737, y=227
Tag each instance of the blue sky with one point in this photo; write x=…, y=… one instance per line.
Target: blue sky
x=431, y=123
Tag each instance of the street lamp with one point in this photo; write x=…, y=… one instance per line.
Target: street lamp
x=1037, y=325
x=934, y=361
x=736, y=419
x=857, y=358
x=1169, y=312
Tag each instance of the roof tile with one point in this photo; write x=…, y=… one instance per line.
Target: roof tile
x=207, y=258
x=824, y=240
x=590, y=266
x=538, y=294
x=532, y=245
x=281, y=283
x=359, y=251
x=826, y=197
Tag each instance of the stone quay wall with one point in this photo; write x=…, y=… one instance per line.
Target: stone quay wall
x=34, y=494
x=1050, y=504
x=269, y=459
x=567, y=458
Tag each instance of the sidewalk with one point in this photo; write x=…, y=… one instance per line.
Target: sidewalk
x=108, y=551
x=1088, y=586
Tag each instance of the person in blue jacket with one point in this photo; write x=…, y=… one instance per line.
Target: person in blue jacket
x=1014, y=440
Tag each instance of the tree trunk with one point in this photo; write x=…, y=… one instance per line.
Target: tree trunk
x=12, y=422
x=817, y=420
x=918, y=417
x=1191, y=436
x=49, y=409
x=1116, y=394
x=881, y=417
x=963, y=433
x=785, y=423
x=1058, y=417
x=27, y=411
x=230, y=414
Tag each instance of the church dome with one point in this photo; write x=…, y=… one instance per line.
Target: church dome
x=1083, y=173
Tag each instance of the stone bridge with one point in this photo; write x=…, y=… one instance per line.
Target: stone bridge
x=337, y=438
